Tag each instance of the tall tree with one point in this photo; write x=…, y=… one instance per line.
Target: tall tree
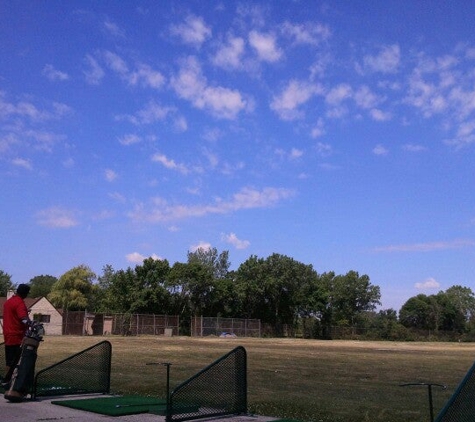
x=74, y=290
x=41, y=285
x=274, y=289
x=218, y=263
x=350, y=295
x=5, y=283
x=151, y=294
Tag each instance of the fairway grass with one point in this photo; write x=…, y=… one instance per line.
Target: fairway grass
x=309, y=380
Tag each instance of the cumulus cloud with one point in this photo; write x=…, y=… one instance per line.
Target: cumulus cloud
x=94, y=72
x=306, y=33
x=143, y=75
x=295, y=94
x=129, y=139
x=232, y=239
x=110, y=175
x=57, y=217
x=193, y=31
x=428, y=247
x=24, y=163
x=229, y=55
x=265, y=45
x=138, y=258
x=169, y=163
x=204, y=246
x=53, y=74
x=428, y=284
x=386, y=61
x=150, y=113
x=380, y=150
x=247, y=198
x=190, y=84
x=112, y=28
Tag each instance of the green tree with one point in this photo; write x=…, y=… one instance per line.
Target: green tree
x=274, y=289
x=41, y=285
x=5, y=283
x=150, y=292
x=350, y=295
x=191, y=286
x=217, y=263
x=74, y=290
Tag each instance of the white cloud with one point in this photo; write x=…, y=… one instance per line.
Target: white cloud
x=246, y=198
x=110, y=175
x=308, y=33
x=94, y=73
x=428, y=284
x=229, y=55
x=129, y=139
x=190, y=84
x=232, y=239
x=379, y=115
x=265, y=46
x=21, y=162
x=295, y=153
x=338, y=94
x=324, y=150
x=113, y=29
x=53, y=74
x=138, y=258
x=428, y=247
x=193, y=31
x=413, y=148
x=57, y=217
x=205, y=246
x=387, y=61
x=143, y=75
x=151, y=113
x=169, y=164
x=293, y=95
x=380, y=150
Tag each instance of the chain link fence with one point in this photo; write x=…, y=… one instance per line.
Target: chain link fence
x=86, y=323
x=216, y=326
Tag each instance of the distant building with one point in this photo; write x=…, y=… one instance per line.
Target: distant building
x=40, y=309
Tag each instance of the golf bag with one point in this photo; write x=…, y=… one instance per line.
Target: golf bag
x=24, y=372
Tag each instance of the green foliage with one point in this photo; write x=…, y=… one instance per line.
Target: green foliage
x=74, y=290
x=451, y=310
x=5, y=283
x=41, y=285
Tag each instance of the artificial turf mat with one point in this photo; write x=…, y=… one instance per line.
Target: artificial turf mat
x=117, y=406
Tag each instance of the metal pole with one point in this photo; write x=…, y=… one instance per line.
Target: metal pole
x=429, y=387
x=168, y=407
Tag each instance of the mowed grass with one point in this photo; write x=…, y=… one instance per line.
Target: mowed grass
x=309, y=380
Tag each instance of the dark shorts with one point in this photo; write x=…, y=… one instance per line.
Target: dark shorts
x=12, y=354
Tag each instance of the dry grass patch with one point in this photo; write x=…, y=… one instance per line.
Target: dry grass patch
x=311, y=380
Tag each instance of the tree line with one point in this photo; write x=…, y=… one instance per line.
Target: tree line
x=278, y=290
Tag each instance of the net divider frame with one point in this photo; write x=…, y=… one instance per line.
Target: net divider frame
x=171, y=412
x=441, y=417
x=105, y=390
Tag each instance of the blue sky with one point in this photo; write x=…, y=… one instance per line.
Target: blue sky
x=339, y=133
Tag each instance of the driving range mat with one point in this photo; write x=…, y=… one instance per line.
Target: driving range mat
x=116, y=406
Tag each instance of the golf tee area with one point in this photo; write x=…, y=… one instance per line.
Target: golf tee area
x=292, y=379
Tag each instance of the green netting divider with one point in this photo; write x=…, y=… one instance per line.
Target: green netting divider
x=461, y=406
x=217, y=390
x=86, y=372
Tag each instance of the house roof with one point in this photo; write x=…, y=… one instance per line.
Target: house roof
x=29, y=302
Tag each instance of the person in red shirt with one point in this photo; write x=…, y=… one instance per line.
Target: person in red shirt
x=15, y=324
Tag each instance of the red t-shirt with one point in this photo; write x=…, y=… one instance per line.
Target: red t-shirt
x=14, y=310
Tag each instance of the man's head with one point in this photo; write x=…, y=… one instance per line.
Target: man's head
x=22, y=290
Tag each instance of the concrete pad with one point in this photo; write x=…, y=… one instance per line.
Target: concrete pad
x=43, y=410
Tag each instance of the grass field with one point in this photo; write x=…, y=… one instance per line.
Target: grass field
x=310, y=380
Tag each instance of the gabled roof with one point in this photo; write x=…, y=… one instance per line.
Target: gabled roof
x=29, y=302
